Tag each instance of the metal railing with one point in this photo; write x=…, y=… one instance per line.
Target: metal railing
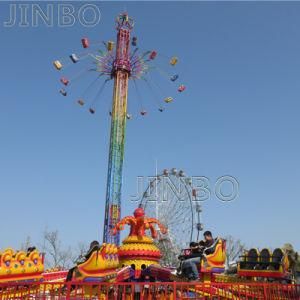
x=148, y=291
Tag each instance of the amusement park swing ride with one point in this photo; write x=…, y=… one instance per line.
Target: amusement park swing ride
x=116, y=62
x=173, y=223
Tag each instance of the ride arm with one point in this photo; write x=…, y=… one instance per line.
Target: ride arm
x=150, y=225
x=125, y=221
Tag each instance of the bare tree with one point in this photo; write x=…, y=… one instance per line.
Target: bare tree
x=80, y=251
x=26, y=244
x=56, y=255
x=234, y=248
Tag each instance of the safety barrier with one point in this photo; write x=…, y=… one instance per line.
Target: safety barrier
x=148, y=291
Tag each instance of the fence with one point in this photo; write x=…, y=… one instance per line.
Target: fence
x=149, y=291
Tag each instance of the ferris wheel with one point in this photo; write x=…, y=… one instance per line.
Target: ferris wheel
x=171, y=199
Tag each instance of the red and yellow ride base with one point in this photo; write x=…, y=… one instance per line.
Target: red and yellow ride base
x=18, y=266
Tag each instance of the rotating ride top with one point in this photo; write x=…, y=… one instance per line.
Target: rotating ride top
x=139, y=249
x=119, y=64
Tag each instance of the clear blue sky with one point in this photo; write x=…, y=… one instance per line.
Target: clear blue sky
x=239, y=116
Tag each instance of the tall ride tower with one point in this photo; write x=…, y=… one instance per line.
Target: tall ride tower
x=120, y=73
x=118, y=64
